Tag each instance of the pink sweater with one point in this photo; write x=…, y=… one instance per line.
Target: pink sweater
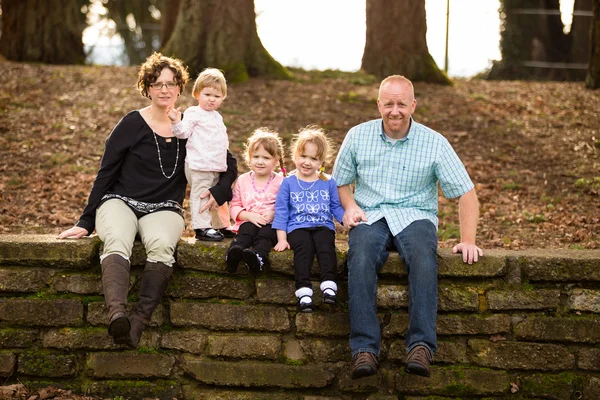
x=245, y=198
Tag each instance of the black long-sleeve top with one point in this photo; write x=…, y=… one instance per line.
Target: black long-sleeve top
x=130, y=168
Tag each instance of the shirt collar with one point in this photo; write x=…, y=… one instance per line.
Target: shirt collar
x=410, y=134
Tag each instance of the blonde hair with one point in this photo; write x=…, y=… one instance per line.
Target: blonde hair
x=210, y=77
x=316, y=135
x=270, y=141
x=398, y=79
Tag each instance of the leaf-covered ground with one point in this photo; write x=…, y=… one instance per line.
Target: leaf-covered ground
x=532, y=149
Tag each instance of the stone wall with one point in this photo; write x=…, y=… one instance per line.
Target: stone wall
x=515, y=325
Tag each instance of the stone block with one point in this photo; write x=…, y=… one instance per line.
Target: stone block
x=447, y=352
x=539, y=299
x=589, y=359
x=8, y=362
x=17, y=338
x=48, y=251
x=48, y=364
x=254, y=374
x=517, y=355
x=79, y=338
x=492, y=264
x=230, y=317
x=196, y=286
x=393, y=267
x=560, y=265
x=189, y=341
x=24, y=280
x=137, y=389
x=201, y=256
x=389, y=296
x=457, y=298
x=129, y=365
x=559, y=329
x=264, y=347
x=325, y=350
x=87, y=284
x=448, y=324
x=98, y=315
x=325, y=325
x=455, y=382
x=278, y=291
x=591, y=390
x=585, y=300
x=550, y=386
x=283, y=262
x=29, y=312
x=204, y=393
x=397, y=326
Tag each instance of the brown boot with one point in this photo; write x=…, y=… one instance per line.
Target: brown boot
x=115, y=285
x=418, y=361
x=152, y=288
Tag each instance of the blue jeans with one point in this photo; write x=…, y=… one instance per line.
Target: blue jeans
x=368, y=250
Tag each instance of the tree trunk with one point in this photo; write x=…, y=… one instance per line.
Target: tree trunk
x=141, y=39
x=592, y=80
x=580, y=37
x=47, y=31
x=221, y=34
x=169, y=11
x=396, y=41
x=529, y=39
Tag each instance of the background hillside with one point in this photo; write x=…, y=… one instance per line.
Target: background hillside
x=533, y=149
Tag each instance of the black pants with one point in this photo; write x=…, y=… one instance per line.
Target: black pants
x=262, y=240
x=308, y=242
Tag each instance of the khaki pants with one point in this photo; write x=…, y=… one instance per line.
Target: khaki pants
x=201, y=181
x=117, y=227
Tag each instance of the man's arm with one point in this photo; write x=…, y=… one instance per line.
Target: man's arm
x=353, y=214
x=468, y=216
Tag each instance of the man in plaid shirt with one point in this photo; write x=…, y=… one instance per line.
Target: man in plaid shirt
x=395, y=165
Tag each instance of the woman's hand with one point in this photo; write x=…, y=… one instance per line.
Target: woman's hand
x=75, y=232
x=211, y=204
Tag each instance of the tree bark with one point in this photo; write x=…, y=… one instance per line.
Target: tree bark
x=169, y=11
x=396, y=41
x=529, y=38
x=580, y=38
x=592, y=79
x=47, y=31
x=221, y=34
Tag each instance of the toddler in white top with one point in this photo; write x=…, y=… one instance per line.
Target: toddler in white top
x=206, y=147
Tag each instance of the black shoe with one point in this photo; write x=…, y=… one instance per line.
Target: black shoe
x=233, y=258
x=305, y=307
x=208, y=235
x=227, y=233
x=329, y=298
x=253, y=261
x=365, y=364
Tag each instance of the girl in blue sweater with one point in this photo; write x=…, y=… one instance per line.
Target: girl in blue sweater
x=306, y=204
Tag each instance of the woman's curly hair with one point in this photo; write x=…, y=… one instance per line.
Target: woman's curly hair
x=151, y=68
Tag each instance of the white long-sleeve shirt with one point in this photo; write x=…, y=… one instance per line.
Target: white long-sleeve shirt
x=207, y=139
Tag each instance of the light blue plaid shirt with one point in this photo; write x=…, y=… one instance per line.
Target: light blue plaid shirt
x=398, y=181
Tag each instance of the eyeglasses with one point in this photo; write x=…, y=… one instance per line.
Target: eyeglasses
x=159, y=86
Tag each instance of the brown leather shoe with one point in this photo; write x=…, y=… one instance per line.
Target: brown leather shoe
x=365, y=364
x=418, y=361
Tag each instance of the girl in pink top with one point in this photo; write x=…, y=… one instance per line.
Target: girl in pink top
x=253, y=204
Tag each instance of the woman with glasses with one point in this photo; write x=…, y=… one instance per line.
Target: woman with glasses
x=139, y=190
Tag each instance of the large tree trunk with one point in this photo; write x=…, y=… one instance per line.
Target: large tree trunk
x=396, y=41
x=580, y=37
x=593, y=74
x=48, y=31
x=141, y=39
x=529, y=41
x=221, y=34
x=169, y=10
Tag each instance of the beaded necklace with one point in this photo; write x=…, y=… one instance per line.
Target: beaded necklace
x=158, y=149
x=266, y=186
x=308, y=188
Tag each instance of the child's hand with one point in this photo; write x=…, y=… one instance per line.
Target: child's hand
x=174, y=114
x=257, y=219
x=268, y=215
x=282, y=245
